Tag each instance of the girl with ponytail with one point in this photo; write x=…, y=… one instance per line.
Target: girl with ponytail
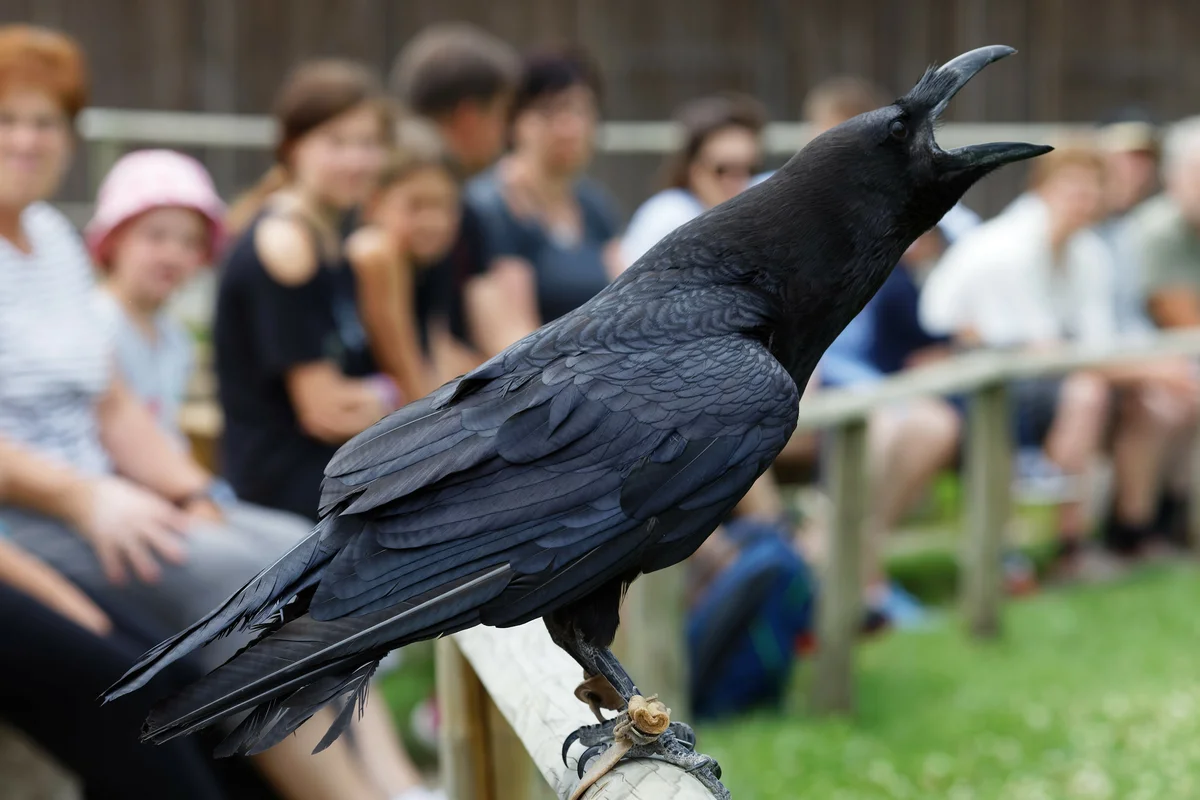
x=297, y=377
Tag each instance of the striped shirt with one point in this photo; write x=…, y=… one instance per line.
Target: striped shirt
x=56, y=350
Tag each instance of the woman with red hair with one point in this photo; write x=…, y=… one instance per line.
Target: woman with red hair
x=93, y=486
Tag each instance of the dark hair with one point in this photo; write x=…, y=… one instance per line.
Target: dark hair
x=845, y=96
x=446, y=64
x=315, y=93
x=703, y=117
x=549, y=72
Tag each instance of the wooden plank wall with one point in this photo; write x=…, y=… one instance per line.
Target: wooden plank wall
x=1080, y=58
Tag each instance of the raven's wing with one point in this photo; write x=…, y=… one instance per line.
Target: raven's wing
x=498, y=499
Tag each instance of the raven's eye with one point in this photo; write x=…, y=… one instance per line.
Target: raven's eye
x=898, y=130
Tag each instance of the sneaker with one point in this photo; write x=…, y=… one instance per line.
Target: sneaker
x=899, y=608
x=1078, y=562
x=1020, y=574
x=425, y=721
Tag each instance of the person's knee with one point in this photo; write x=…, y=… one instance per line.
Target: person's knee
x=1086, y=395
x=935, y=424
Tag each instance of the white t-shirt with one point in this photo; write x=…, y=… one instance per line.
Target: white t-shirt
x=655, y=218
x=56, y=352
x=1000, y=280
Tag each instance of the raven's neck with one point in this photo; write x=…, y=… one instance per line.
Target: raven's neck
x=818, y=251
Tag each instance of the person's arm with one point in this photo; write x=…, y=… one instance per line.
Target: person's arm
x=29, y=575
x=450, y=356
x=125, y=524
x=502, y=305
x=31, y=481
x=290, y=340
x=657, y=217
x=145, y=454
x=1175, y=307
x=385, y=293
x=331, y=407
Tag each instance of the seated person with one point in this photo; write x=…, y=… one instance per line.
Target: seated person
x=158, y=220
x=907, y=444
x=461, y=79
x=64, y=651
x=412, y=221
x=1036, y=277
x=720, y=152
x=551, y=231
x=1164, y=233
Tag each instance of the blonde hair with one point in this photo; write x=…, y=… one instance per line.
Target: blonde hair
x=1077, y=153
x=418, y=146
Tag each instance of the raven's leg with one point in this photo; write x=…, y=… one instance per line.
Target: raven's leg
x=621, y=735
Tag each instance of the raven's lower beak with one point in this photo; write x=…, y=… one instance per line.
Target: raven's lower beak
x=953, y=76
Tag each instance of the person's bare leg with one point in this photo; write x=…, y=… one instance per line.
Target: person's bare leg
x=334, y=774
x=763, y=501
x=907, y=447
x=1148, y=421
x=1075, y=438
x=378, y=746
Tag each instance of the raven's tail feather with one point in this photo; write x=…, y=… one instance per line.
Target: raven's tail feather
x=253, y=604
x=293, y=669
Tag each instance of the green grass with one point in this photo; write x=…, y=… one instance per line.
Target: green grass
x=1092, y=693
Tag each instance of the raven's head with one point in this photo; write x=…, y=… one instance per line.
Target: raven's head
x=824, y=232
x=892, y=156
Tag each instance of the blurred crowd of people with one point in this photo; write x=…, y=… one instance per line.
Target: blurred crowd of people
x=410, y=229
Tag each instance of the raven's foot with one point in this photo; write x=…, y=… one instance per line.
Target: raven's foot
x=644, y=730
x=598, y=693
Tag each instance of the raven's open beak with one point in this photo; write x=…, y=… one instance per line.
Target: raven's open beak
x=953, y=75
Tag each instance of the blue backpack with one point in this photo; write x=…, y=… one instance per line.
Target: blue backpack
x=743, y=631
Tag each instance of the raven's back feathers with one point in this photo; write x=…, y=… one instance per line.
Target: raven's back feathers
x=528, y=484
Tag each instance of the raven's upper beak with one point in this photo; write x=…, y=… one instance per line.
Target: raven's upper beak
x=951, y=77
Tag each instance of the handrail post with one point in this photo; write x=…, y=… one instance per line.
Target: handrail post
x=989, y=502
x=462, y=734
x=652, y=639
x=1194, y=493
x=102, y=154
x=839, y=605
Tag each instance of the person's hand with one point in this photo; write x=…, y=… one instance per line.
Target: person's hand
x=65, y=598
x=520, y=190
x=1173, y=375
x=203, y=509
x=930, y=354
x=43, y=583
x=130, y=527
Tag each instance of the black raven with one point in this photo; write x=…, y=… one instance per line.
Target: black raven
x=605, y=445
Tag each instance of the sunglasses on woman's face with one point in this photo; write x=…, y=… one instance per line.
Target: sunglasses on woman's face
x=733, y=169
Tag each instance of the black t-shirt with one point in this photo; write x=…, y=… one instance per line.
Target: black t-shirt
x=262, y=330
x=440, y=287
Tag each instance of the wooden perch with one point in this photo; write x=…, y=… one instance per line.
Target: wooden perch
x=531, y=683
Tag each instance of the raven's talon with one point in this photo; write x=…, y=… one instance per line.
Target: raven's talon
x=684, y=733
x=572, y=737
x=588, y=755
x=681, y=753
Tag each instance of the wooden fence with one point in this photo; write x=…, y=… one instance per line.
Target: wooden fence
x=1079, y=59
x=983, y=376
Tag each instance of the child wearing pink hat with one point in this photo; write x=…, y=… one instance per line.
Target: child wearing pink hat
x=158, y=221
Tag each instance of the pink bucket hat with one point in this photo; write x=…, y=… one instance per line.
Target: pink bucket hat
x=148, y=179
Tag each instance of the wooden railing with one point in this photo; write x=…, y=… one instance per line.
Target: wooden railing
x=983, y=376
